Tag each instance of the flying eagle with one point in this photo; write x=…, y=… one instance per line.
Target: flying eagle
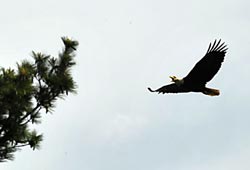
x=202, y=73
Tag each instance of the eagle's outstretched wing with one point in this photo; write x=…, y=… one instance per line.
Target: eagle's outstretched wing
x=209, y=65
x=171, y=88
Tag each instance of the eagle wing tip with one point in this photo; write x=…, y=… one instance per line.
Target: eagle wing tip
x=151, y=89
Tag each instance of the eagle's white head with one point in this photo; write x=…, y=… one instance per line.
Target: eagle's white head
x=177, y=81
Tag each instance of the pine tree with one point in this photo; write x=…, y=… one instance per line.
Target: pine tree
x=30, y=91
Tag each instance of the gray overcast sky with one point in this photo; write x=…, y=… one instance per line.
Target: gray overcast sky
x=114, y=123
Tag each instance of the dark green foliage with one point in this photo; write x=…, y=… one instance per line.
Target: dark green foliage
x=29, y=92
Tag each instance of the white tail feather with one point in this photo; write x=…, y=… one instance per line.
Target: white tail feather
x=211, y=92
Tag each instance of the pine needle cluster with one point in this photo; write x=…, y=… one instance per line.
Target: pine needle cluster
x=30, y=91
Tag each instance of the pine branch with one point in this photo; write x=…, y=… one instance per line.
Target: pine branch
x=28, y=90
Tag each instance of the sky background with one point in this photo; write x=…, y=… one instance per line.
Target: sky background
x=114, y=123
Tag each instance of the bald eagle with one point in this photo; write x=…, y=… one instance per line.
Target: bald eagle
x=201, y=73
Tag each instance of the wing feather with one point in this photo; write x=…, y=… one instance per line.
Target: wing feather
x=220, y=47
x=171, y=88
x=209, y=65
x=209, y=47
x=213, y=45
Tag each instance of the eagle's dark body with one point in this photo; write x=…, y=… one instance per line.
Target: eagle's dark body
x=202, y=73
